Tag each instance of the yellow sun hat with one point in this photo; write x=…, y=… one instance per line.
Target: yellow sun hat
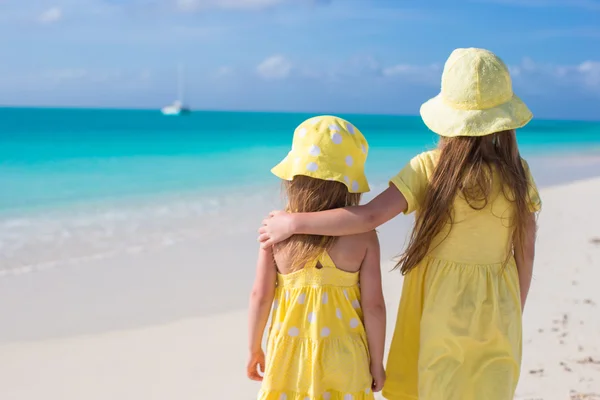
x=329, y=148
x=476, y=97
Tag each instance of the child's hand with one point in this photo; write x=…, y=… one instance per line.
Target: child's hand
x=276, y=228
x=256, y=360
x=378, y=374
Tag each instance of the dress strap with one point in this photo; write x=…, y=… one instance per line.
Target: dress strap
x=324, y=260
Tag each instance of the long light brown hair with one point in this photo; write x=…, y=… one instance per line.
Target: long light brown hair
x=467, y=166
x=306, y=194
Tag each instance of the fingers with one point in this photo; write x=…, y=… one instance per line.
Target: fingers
x=263, y=237
x=266, y=244
x=262, y=229
x=253, y=373
x=274, y=213
x=261, y=365
x=377, y=385
x=255, y=376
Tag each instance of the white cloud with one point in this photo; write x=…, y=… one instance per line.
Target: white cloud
x=400, y=69
x=50, y=16
x=224, y=71
x=430, y=74
x=574, y=32
x=590, y=73
x=196, y=5
x=67, y=75
x=536, y=77
x=274, y=68
x=73, y=77
x=145, y=75
x=592, y=5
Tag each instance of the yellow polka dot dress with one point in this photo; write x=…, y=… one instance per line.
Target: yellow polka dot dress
x=317, y=347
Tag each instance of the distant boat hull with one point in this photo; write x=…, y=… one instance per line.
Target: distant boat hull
x=174, y=110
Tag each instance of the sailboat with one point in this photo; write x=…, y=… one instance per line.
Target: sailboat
x=178, y=107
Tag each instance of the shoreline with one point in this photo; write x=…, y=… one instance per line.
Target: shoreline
x=84, y=232
x=201, y=355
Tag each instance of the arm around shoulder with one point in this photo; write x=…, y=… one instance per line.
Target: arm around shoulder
x=351, y=220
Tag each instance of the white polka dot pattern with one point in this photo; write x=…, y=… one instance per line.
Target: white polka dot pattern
x=336, y=138
x=315, y=310
x=356, y=304
x=314, y=150
x=312, y=166
x=349, y=161
x=340, y=147
x=294, y=331
x=301, y=298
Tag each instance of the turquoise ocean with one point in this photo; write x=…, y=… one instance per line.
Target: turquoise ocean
x=124, y=176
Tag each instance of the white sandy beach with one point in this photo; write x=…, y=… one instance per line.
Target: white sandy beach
x=158, y=326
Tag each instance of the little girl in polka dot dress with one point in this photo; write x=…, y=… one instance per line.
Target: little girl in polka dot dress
x=327, y=332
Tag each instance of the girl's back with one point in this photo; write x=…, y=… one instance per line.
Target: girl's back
x=481, y=230
x=347, y=254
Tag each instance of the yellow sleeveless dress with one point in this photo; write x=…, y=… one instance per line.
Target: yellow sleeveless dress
x=317, y=347
x=458, y=331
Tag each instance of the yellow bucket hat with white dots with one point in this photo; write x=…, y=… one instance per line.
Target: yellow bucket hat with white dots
x=329, y=148
x=476, y=97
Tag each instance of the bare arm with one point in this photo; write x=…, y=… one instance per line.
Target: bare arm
x=261, y=300
x=337, y=222
x=373, y=306
x=524, y=256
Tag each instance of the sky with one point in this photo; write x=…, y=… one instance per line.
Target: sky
x=352, y=56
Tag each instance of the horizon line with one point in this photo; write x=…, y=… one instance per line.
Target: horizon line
x=207, y=110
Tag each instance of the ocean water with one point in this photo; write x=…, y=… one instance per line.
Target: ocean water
x=78, y=183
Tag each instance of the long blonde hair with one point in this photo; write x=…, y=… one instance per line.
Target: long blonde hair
x=466, y=166
x=306, y=194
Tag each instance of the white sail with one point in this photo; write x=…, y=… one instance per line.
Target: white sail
x=178, y=106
